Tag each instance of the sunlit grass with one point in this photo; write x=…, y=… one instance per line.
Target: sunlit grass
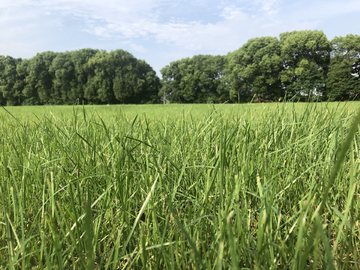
x=211, y=187
x=160, y=112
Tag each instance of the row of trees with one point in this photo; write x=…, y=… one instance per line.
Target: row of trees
x=299, y=64
x=87, y=75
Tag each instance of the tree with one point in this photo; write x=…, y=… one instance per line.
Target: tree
x=306, y=56
x=128, y=77
x=254, y=69
x=198, y=79
x=10, y=82
x=349, y=48
x=2, y=81
x=98, y=89
x=86, y=75
x=80, y=58
x=343, y=80
x=171, y=78
x=64, y=80
x=148, y=84
x=39, y=80
x=118, y=77
x=340, y=83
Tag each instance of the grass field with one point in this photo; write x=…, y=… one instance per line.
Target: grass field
x=252, y=186
x=159, y=112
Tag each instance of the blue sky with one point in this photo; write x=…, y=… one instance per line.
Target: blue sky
x=162, y=31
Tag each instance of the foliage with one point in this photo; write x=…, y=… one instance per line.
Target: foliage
x=343, y=80
x=195, y=80
x=306, y=56
x=10, y=81
x=254, y=69
x=87, y=75
x=298, y=65
x=269, y=69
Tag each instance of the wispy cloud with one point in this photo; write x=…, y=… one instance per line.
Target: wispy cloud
x=178, y=27
x=270, y=7
x=138, y=48
x=231, y=12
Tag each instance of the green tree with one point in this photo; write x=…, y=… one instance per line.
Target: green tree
x=306, y=56
x=341, y=84
x=87, y=75
x=2, y=81
x=62, y=70
x=29, y=93
x=118, y=77
x=39, y=80
x=128, y=80
x=80, y=58
x=98, y=89
x=10, y=83
x=343, y=79
x=135, y=81
x=171, y=78
x=254, y=69
x=348, y=47
x=198, y=79
x=147, y=84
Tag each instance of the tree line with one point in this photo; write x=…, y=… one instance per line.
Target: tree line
x=297, y=65
x=84, y=76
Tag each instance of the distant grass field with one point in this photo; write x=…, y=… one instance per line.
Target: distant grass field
x=250, y=186
x=157, y=112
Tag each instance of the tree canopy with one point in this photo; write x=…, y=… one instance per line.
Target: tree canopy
x=195, y=80
x=87, y=75
x=254, y=69
x=343, y=80
x=297, y=64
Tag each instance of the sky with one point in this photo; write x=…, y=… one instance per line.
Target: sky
x=162, y=31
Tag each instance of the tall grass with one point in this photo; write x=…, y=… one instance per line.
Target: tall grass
x=154, y=112
x=275, y=191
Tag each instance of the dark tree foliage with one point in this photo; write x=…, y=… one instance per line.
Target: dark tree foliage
x=343, y=79
x=10, y=81
x=84, y=76
x=134, y=80
x=39, y=81
x=80, y=59
x=254, y=70
x=64, y=80
x=298, y=64
x=341, y=83
x=198, y=79
x=306, y=57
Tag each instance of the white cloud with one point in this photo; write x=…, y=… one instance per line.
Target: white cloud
x=182, y=27
x=231, y=12
x=145, y=18
x=269, y=6
x=323, y=10
x=138, y=48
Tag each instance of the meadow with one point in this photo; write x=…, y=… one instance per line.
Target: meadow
x=250, y=186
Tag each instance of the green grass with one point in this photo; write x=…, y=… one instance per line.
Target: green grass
x=160, y=112
x=253, y=186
